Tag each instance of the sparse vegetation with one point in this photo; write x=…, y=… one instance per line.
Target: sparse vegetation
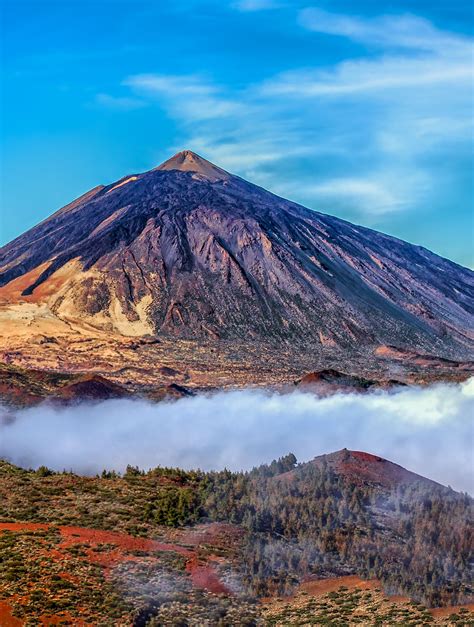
x=348, y=607
x=174, y=544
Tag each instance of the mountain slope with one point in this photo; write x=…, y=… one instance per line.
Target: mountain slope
x=175, y=536
x=190, y=251
x=361, y=468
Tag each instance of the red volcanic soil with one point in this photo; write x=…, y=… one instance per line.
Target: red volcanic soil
x=216, y=534
x=31, y=386
x=11, y=526
x=332, y=380
x=320, y=587
x=6, y=618
x=418, y=359
x=329, y=381
x=364, y=467
x=121, y=546
x=94, y=537
x=360, y=468
x=91, y=387
x=17, y=395
x=202, y=573
x=76, y=535
x=441, y=612
x=366, y=457
x=204, y=577
x=63, y=619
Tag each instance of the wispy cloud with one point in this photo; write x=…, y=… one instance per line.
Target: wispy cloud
x=191, y=86
x=119, y=103
x=369, y=78
x=217, y=121
x=395, y=31
x=414, y=54
x=365, y=194
x=360, y=135
x=189, y=97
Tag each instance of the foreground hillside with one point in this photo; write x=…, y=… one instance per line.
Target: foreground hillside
x=189, y=265
x=176, y=547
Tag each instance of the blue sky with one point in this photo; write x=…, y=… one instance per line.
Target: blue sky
x=360, y=109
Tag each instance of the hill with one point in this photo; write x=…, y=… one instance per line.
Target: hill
x=20, y=387
x=284, y=539
x=362, y=468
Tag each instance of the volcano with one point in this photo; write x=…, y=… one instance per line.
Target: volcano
x=192, y=252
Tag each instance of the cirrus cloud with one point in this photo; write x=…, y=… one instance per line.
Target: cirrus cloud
x=360, y=137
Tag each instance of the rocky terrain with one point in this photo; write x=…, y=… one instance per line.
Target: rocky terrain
x=191, y=276
x=22, y=388
x=322, y=543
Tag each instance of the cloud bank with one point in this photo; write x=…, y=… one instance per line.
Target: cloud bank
x=427, y=430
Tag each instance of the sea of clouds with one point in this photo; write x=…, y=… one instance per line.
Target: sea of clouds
x=428, y=430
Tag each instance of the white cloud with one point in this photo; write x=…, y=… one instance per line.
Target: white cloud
x=360, y=135
x=230, y=128
x=367, y=195
x=398, y=31
x=369, y=78
x=190, y=85
x=406, y=103
x=189, y=97
x=414, y=55
x=428, y=430
x=248, y=153
x=120, y=103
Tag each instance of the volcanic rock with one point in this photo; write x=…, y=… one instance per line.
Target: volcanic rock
x=192, y=253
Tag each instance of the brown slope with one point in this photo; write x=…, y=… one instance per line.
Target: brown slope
x=20, y=387
x=329, y=381
x=190, y=251
x=359, y=467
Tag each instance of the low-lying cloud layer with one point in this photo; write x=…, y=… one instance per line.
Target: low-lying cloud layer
x=427, y=430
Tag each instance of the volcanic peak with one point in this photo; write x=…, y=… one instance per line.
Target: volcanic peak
x=361, y=467
x=188, y=161
x=193, y=252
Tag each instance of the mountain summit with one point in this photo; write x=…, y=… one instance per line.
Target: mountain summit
x=188, y=250
x=188, y=161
